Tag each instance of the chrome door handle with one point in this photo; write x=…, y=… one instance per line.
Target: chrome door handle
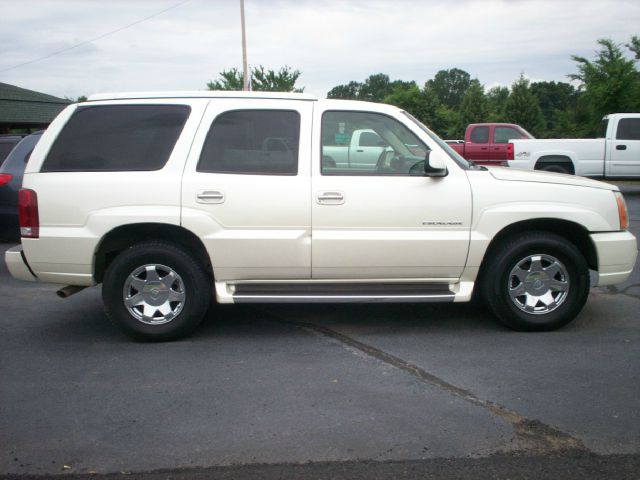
x=330, y=198
x=213, y=196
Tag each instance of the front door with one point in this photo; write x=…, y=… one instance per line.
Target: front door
x=624, y=150
x=387, y=222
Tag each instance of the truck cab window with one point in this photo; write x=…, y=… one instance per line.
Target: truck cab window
x=480, y=135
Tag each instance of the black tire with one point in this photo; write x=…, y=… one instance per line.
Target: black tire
x=507, y=263
x=189, y=285
x=556, y=168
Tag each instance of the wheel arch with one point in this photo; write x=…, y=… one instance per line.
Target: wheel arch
x=555, y=159
x=573, y=232
x=125, y=236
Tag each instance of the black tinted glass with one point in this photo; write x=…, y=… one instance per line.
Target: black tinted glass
x=117, y=138
x=480, y=135
x=252, y=141
x=628, y=129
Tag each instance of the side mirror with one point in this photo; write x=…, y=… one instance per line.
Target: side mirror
x=434, y=165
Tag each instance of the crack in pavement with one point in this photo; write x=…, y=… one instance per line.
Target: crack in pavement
x=532, y=436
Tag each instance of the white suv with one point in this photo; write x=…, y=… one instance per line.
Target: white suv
x=164, y=198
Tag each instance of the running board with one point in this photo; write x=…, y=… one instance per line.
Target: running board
x=342, y=292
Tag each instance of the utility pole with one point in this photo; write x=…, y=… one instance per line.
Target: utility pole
x=244, y=49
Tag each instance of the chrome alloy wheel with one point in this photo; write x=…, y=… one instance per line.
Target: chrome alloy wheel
x=154, y=294
x=538, y=284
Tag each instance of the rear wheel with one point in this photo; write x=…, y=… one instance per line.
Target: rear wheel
x=156, y=291
x=535, y=282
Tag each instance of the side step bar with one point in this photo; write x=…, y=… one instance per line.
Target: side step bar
x=342, y=292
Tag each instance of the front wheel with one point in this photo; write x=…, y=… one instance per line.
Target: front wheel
x=536, y=282
x=156, y=291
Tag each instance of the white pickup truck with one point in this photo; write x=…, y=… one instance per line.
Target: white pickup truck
x=168, y=199
x=617, y=155
x=361, y=151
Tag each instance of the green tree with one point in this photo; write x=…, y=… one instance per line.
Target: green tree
x=231, y=79
x=450, y=86
x=634, y=46
x=261, y=79
x=473, y=109
x=554, y=98
x=81, y=98
x=351, y=91
x=496, y=103
x=422, y=104
x=375, y=88
x=522, y=107
x=610, y=82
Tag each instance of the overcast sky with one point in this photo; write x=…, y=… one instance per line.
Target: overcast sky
x=330, y=41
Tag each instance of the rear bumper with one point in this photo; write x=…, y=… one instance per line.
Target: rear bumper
x=617, y=252
x=17, y=264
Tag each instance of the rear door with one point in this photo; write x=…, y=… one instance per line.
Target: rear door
x=624, y=149
x=246, y=190
x=501, y=136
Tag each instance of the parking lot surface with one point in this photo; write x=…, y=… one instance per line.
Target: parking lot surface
x=361, y=391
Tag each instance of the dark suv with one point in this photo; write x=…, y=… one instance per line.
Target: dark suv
x=11, y=173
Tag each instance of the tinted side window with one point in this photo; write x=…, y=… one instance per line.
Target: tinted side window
x=480, y=135
x=117, y=138
x=628, y=129
x=504, y=134
x=252, y=142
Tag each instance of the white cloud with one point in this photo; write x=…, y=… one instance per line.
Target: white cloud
x=331, y=42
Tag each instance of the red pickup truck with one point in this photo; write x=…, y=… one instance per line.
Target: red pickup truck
x=488, y=143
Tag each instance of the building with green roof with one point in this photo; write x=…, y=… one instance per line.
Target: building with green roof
x=25, y=109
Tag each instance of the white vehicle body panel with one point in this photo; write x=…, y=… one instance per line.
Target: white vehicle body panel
x=601, y=157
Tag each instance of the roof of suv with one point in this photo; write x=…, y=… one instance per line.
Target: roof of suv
x=201, y=94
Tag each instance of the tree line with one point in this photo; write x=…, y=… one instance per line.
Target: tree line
x=447, y=103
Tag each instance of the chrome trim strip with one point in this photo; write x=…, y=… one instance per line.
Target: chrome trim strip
x=342, y=298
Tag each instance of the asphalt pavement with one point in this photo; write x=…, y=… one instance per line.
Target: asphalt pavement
x=320, y=391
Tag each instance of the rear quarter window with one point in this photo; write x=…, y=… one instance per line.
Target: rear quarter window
x=111, y=138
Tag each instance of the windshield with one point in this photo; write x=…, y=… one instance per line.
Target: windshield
x=441, y=143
